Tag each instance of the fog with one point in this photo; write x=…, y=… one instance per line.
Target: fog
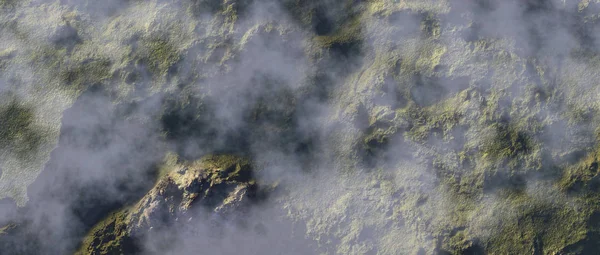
x=386, y=126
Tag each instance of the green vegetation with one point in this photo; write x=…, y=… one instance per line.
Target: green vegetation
x=160, y=55
x=86, y=73
x=7, y=4
x=110, y=236
x=437, y=137
x=17, y=130
x=508, y=143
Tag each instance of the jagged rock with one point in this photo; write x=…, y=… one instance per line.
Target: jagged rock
x=220, y=185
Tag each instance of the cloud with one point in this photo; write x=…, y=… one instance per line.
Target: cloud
x=378, y=121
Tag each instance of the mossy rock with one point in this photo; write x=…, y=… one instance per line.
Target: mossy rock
x=217, y=183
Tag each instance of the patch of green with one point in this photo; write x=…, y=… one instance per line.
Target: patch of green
x=17, y=130
x=160, y=55
x=109, y=236
x=582, y=176
x=170, y=163
x=46, y=58
x=538, y=229
x=215, y=7
x=422, y=122
x=579, y=115
x=224, y=167
x=323, y=18
x=87, y=73
x=8, y=4
x=509, y=157
x=349, y=33
x=344, y=41
x=466, y=184
x=508, y=143
x=375, y=143
x=419, y=123
x=229, y=167
x=430, y=25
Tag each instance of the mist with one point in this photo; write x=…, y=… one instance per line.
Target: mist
x=372, y=127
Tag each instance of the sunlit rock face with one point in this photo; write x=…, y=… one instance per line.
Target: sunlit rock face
x=188, y=194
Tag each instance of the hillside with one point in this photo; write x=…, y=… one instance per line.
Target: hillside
x=299, y=127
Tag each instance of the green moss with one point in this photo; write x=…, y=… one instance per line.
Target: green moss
x=45, y=58
x=229, y=167
x=579, y=115
x=430, y=26
x=8, y=4
x=351, y=32
x=581, y=177
x=170, y=163
x=538, y=229
x=508, y=143
x=86, y=73
x=449, y=137
x=424, y=122
x=17, y=130
x=161, y=56
x=346, y=41
x=109, y=236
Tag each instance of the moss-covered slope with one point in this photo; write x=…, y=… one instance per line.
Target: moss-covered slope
x=395, y=127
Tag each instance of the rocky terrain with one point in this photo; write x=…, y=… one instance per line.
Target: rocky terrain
x=221, y=184
x=299, y=127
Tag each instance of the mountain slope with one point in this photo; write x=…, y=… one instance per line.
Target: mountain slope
x=388, y=127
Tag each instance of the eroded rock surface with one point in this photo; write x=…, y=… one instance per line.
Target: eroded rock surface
x=221, y=186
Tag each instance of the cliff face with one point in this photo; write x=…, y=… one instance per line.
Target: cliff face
x=219, y=186
x=388, y=127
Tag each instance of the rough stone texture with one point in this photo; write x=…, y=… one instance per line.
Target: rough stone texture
x=221, y=185
x=409, y=126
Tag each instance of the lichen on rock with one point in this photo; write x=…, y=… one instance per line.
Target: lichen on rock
x=217, y=184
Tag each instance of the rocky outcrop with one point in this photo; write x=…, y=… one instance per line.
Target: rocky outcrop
x=219, y=185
